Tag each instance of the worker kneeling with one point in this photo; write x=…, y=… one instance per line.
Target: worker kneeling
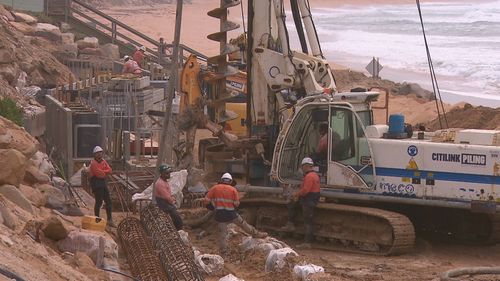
x=163, y=194
x=223, y=198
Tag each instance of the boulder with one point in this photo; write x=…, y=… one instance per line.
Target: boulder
x=91, y=51
x=42, y=162
x=68, y=38
x=88, y=42
x=21, y=17
x=19, y=139
x=33, y=176
x=7, y=54
x=9, y=220
x=14, y=195
x=13, y=165
x=413, y=88
x=86, y=266
x=88, y=242
x=48, y=31
x=111, y=51
x=6, y=14
x=9, y=72
x=34, y=195
x=53, y=228
x=65, y=27
x=23, y=27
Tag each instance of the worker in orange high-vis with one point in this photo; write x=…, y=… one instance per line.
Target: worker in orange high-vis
x=308, y=197
x=99, y=170
x=223, y=198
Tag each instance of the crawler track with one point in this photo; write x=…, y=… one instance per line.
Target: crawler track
x=343, y=227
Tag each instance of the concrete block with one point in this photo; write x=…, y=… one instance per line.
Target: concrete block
x=120, y=84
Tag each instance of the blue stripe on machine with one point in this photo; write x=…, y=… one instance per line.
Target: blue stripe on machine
x=446, y=176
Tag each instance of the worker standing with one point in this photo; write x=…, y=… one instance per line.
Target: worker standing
x=163, y=194
x=308, y=197
x=99, y=169
x=139, y=56
x=131, y=66
x=223, y=198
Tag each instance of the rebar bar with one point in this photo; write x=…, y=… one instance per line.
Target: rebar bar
x=177, y=258
x=144, y=262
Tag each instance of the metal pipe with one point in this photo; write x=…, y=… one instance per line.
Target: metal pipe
x=451, y=274
x=334, y=194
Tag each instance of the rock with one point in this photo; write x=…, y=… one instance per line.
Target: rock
x=88, y=42
x=111, y=51
x=33, y=175
x=7, y=54
x=23, y=27
x=88, y=243
x=34, y=195
x=48, y=31
x=413, y=88
x=20, y=140
x=87, y=267
x=6, y=240
x=70, y=49
x=42, y=162
x=65, y=27
x=9, y=73
x=13, y=165
x=91, y=51
x=48, y=189
x=5, y=138
x=14, y=195
x=21, y=17
x=6, y=14
x=68, y=38
x=9, y=220
x=53, y=228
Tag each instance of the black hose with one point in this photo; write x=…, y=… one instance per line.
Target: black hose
x=120, y=273
x=9, y=274
x=435, y=85
x=451, y=274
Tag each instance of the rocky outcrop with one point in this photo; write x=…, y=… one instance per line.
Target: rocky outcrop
x=88, y=243
x=14, y=195
x=54, y=229
x=13, y=165
x=34, y=195
x=15, y=137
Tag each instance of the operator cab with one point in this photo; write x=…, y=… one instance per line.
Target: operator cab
x=346, y=163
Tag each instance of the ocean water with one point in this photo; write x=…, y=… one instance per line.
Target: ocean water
x=464, y=41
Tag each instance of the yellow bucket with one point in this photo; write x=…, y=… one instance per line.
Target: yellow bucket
x=93, y=223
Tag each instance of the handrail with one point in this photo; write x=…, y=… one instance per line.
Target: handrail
x=119, y=23
x=115, y=35
x=107, y=28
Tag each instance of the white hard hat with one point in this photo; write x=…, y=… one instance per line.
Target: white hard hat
x=307, y=160
x=97, y=149
x=226, y=176
x=125, y=58
x=142, y=48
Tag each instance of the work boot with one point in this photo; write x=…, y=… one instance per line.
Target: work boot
x=288, y=227
x=111, y=223
x=261, y=234
x=304, y=246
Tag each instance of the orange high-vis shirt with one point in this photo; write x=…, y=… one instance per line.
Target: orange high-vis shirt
x=309, y=184
x=223, y=197
x=99, y=169
x=138, y=57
